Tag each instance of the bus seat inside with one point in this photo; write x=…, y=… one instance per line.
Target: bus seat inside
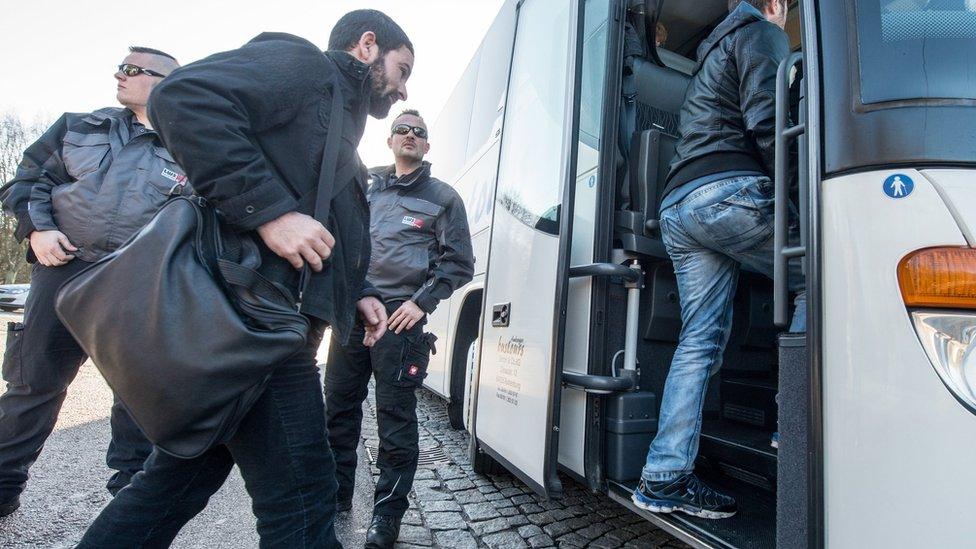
x=660, y=93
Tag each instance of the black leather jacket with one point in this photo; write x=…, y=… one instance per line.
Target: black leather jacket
x=729, y=114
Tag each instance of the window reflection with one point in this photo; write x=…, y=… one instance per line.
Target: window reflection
x=917, y=49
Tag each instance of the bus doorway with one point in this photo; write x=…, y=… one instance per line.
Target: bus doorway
x=581, y=315
x=874, y=404
x=737, y=453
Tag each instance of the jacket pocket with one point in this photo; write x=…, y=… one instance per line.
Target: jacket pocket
x=165, y=176
x=419, y=213
x=12, y=371
x=414, y=359
x=83, y=153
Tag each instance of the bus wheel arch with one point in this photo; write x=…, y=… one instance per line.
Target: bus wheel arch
x=466, y=332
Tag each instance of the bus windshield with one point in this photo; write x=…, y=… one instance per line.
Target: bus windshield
x=916, y=49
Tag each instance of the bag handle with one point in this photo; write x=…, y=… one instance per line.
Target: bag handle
x=236, y=274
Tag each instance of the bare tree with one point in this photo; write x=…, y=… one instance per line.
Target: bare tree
x=15, y=136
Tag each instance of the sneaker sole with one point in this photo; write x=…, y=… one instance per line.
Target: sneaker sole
x=663, y=507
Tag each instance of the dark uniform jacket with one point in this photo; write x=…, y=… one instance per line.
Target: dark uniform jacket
x=421, y=242
x=729, y=114
x=249, y=126
x=97, y=178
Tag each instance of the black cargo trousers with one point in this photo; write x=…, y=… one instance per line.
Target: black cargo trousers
x=399, y=364
x=40, y=361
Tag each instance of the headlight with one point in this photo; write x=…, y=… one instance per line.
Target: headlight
x=949, y=340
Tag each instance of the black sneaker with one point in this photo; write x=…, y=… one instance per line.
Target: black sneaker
x=686, y=494
x=383, y=532
x=9, y=506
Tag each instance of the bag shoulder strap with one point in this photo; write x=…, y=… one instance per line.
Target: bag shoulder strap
x=329, y=177
x=328, y=169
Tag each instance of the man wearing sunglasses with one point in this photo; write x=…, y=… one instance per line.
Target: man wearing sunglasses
x=421, y=254
x=81, y=190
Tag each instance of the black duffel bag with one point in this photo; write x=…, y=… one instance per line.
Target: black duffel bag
x=180, y=323
x=182, y=327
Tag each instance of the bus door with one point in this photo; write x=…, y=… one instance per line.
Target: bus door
x=896, y=262
x=516, y=419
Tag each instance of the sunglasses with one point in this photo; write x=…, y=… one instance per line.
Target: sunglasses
x=404, y=129
x=131, y=70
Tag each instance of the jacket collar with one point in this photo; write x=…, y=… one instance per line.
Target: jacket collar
x=120, y=125
x=352, y=68
x=108, y=114
x=357, y=83
x=382, y=176
x=744, y=14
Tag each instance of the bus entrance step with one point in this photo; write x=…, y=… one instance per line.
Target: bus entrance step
x=739, y=451
x=751, y=401
x=752, y=527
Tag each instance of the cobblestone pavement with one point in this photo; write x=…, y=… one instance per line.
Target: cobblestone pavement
x=452, y=506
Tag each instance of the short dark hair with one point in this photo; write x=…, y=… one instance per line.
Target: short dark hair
x=142, y=49
x=758, y=4
x=410, y=112
x=347, y=31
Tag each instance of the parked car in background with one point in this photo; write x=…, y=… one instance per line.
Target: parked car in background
x=13, y=296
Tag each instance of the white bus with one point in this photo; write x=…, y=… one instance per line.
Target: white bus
x=554, y=355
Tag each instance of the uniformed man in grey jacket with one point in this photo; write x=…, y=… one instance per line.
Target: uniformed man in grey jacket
x=89, y=183
x=421, y=253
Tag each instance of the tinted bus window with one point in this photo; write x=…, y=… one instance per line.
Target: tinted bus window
x=916, y=49
x=594, y=71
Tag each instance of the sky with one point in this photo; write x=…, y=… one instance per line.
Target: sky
x=59, y=55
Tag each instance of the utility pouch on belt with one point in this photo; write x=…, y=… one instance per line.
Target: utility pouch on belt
x=11, y=355
x=414, y=359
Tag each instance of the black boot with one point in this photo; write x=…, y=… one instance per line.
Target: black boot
x=383, y=532
x=10, y=505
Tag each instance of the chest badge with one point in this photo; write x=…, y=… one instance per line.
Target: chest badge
x=173, y=176
x=414, y=222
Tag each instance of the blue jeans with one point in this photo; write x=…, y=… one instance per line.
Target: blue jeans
x=284, y=457
x=709, y=235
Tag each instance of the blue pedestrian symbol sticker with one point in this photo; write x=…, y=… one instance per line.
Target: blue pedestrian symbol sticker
x=898, y=186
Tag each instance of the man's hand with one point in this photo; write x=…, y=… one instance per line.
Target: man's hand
x=299, y=239
x=51, y=248
x=405, y=317
x=373, y=313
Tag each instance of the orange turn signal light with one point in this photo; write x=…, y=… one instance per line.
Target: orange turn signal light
x=939, y=277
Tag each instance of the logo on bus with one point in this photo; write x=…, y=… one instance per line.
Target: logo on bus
x=515, y=346
x=898, y=185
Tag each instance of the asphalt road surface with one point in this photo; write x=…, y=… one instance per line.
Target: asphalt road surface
x=67, y=486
